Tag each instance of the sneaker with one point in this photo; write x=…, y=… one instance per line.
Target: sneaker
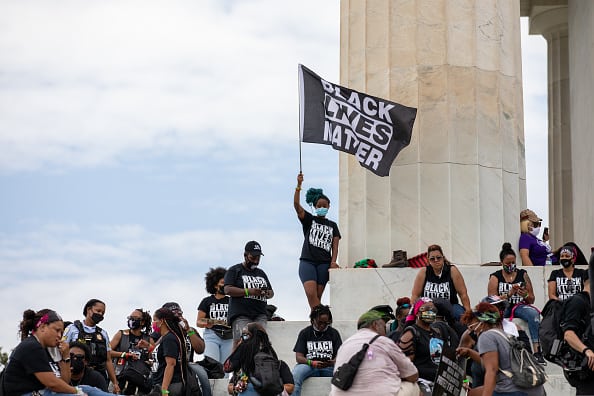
x=539, y=358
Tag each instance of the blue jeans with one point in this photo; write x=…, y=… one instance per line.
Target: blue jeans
x=89, y=390
x=301, y=372
x=530, y=315
x=249, y=391
x=202, y=378
x=216, y=347
x=457, y=311
x=510, y=394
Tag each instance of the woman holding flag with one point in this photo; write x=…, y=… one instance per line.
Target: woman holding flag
x=320, y=245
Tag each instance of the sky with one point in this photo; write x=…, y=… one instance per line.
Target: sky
x=143, y=143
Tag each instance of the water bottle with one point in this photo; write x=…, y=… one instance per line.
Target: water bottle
x=549, y=260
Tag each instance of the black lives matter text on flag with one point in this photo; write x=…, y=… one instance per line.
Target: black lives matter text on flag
x=372, y=129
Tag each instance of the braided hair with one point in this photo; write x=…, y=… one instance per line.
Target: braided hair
x=320, y=310
x=258, y=342
x=146, y=321
x=173, y=323
x=313, y=195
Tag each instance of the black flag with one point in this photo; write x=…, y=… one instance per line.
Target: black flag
x=372, y=129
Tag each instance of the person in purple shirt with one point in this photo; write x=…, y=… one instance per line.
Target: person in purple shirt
x=533, y=250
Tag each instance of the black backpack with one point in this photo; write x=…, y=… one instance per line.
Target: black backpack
x=266, y=377
x=549, y=330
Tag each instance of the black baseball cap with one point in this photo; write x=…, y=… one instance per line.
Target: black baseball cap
x=173, y=307
x=253, y=248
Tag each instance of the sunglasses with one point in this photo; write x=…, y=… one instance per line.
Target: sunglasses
x=77, y=356
x=435, y=258
x=536, y=224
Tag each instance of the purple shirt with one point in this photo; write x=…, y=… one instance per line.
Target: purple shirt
x=537, y=249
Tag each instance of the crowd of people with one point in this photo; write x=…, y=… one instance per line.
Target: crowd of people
x=155, y=354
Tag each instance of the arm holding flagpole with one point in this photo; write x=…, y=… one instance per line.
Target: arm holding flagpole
x=297, y=197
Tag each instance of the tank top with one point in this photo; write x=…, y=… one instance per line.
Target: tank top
x=440, y=286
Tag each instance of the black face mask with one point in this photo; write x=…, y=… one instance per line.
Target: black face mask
x=96, y=318
x=134, y=324
x=566, y=263
x=221, y=290
x=77, y=366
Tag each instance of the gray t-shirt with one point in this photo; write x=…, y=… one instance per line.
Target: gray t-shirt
x=489, y=341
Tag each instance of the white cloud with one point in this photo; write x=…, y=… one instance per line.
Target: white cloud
x=94, y=82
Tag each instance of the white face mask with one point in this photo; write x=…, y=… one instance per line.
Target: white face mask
x=535, y=231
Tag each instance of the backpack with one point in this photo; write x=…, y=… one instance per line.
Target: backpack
x=525, y=371
x=266, y=377
x=549, y=331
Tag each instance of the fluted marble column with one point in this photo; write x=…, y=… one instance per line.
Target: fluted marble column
x=551, y=23
x=461, y=182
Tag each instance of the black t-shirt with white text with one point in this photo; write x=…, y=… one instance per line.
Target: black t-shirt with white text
x=216, y=309
x=567, y=287
x=28, y=358
x=250, y=306
x=315, y=345
x=168, y=346
x=319, y=233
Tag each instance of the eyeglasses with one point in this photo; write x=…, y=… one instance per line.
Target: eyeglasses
x=133, y=318
x=321, y=323
x=435, y=258
x=76, y=357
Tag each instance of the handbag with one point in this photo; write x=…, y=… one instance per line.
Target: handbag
x=213, y=368
x=345, y=375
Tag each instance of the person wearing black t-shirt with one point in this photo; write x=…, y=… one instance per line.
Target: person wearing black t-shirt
x=212, y=316
x=567, y=281
x=316, y=347
x=577, y=332
x=320, y=244
x=81, y=374
x=248, y=288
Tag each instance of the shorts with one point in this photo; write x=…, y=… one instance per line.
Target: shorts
x=242, y=321
x=310, y=271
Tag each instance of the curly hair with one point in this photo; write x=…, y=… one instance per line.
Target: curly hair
x=146, y=321
x=320, y=310
x=313, y=195
x=212, y=278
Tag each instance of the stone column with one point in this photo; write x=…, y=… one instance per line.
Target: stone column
x=581, y=86
x=551, y=23
x=461, y=182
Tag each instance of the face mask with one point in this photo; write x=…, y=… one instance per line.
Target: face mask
x=509, y=268
x=133, y=324
x=566, y=263
x=535, y=231
x=251, y=265
x=221, y=290
x=77, y=366
x=96, y=318
x=245, y=337
x=428, y=316
x=156, y=327
x=321, y=211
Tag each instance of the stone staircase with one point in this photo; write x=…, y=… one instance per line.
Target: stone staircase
x=354, y=291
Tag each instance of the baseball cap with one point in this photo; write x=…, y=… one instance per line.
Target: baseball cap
x=173, y=307
x=386, y=310
x=253, y=248
x=527, y=214
x=370, y=316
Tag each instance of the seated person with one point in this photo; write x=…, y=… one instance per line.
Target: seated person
x=81, y=373
x=316, y=347
x=567, y=281
x=253, y=339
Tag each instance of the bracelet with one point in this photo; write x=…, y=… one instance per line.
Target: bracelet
x=309, y=362
x=191, y=333
x=123, y=356
x=586, y=349
x=246, y=292
x=298, y=188
x=164, y=392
